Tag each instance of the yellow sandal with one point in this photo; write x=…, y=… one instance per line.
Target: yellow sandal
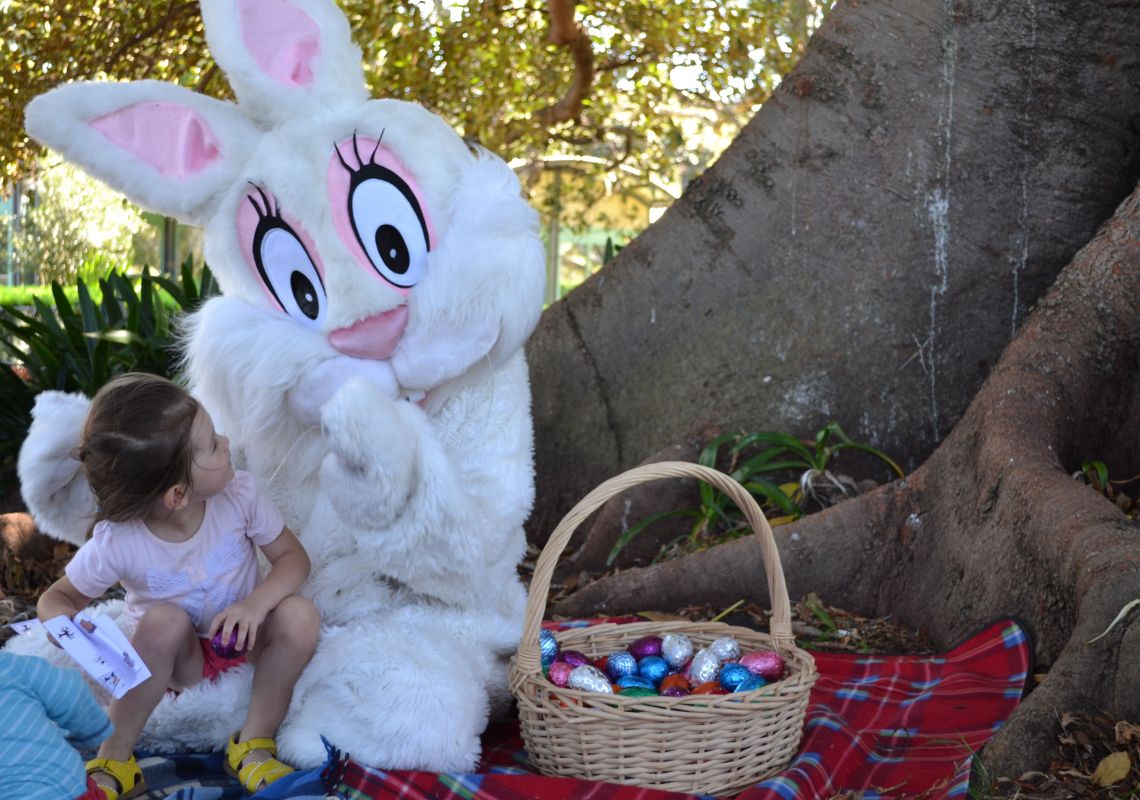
x=126, y=774
x=254, y=775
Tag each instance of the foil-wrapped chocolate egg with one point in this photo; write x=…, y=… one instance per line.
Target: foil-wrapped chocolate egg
x=726, y=648
x=708, y=687
x=704, y=667
x=638, y=691
x=630, y=681
x=230, y=650
x=645, y=646
x=732, y=675
x=768, y=664
x=676, y=648
x=674, y=681
x=750, y=683
x=576, y=658
x=653, y=667
x=588, y=678
x=620, y=664
x=559, y=673
x=675, y=691
x=548, y=646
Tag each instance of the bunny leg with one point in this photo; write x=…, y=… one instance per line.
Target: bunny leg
x=390, y=694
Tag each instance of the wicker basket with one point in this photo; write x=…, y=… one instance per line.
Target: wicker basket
x=700, y=743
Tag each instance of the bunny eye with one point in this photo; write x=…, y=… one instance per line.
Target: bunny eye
x=288, y=271
x=389, y=224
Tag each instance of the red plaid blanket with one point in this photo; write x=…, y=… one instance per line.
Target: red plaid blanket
x=882, y=726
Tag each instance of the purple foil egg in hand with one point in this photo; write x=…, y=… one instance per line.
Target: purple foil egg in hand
x=230, y=650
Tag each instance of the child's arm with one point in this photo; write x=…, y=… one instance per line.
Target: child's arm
x=68, y=703
x=290, y=568
x=62, y=598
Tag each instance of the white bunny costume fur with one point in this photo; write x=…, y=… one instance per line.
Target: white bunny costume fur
x=379, y=279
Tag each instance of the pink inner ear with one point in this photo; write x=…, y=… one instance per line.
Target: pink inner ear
x=173, y=139
x=283, y=39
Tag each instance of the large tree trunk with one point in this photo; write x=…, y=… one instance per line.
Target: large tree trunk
x=865, y=249
x=992, y=524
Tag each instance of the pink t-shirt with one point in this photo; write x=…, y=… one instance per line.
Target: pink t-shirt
x=211, y=570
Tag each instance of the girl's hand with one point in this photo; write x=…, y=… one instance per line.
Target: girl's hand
x=243, y=617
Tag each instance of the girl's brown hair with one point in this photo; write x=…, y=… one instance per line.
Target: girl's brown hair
x=136, y=443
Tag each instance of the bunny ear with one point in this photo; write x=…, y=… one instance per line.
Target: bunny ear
x=168, y=149
x=285, y=58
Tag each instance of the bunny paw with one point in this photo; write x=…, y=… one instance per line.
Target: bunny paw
x=369, y=471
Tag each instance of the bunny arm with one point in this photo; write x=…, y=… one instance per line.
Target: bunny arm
x=460, y=481
x=52, y=482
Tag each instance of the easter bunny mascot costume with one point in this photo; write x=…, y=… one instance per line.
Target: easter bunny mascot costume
x=379, y=278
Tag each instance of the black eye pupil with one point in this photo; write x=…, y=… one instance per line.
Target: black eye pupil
x=390, y=244
x=305, y=295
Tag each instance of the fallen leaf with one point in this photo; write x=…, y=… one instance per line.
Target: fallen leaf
x=1112, y=769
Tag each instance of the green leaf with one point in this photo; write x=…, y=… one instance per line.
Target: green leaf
x=634, y=530
x=1097, y=473
x=776, y=438
x=773, y=493
x=815, y=606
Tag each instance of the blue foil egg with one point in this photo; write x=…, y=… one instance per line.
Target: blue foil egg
x=732, y=675
x=750, y=683
x=631, y=681
x=548, y=646
x=654, y=668
x=620, y=664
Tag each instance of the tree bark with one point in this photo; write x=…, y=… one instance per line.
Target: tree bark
x=865, y=249
x=992, y=525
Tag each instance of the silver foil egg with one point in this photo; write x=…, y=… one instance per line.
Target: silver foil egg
x=588, y=678
x=726, y=648
x=676, y=648
x=704, y=667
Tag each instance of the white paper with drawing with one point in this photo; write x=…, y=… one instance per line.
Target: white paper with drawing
x=102, y=650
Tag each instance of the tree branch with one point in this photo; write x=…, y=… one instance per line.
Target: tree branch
x=566, y=32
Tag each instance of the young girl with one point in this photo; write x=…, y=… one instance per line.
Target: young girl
x=176, y=528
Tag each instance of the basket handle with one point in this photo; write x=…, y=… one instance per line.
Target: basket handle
x=529, y=657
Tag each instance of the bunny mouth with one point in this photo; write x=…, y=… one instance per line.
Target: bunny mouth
x=374, y=337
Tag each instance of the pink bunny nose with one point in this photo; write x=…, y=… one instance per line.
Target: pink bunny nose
x=372, y=337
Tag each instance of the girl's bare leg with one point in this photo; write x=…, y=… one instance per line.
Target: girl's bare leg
x=168, y=644
x=290, y=637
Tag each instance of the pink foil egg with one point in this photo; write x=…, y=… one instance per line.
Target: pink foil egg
x=560, y=673
x=768, y=664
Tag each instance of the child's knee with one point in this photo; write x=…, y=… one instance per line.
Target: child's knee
x=165, y=625
x=298, y=621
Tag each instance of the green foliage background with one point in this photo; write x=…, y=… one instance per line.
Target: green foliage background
x=484, y=66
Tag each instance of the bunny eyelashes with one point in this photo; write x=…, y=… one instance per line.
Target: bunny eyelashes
x=386, y=215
